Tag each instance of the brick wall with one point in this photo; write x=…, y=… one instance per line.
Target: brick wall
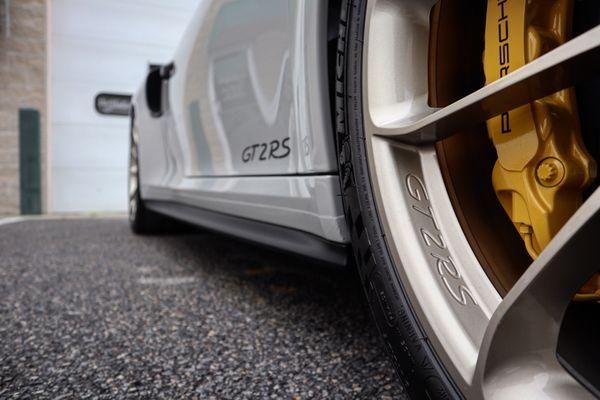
x=22, y=85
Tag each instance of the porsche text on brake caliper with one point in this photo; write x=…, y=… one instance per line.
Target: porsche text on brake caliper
x=542, y=165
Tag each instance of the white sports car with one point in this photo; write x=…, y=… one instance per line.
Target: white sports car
x=450, y=146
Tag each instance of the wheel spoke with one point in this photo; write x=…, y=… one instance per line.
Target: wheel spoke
x=524, y=329
x=134, y=134
x=133, y=183
x=133, y=187
x=573, y=62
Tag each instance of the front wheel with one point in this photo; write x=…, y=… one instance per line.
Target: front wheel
x=141, y=220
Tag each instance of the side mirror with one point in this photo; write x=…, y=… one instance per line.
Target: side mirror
x=154, y=86
x=154, y=92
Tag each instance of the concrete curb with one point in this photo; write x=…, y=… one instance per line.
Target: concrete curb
x=59, y=217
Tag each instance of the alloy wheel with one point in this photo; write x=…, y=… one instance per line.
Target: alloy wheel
x=133, y=181
x=494, y=343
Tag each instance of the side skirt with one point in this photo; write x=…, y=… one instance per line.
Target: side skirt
x=273, y=236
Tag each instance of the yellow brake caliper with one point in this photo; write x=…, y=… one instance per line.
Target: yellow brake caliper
x=542, y=165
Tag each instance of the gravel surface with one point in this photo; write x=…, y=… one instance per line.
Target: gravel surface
x=87, y=310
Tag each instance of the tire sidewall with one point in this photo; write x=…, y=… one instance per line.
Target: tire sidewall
x=134, y=218
x=413, y=357
x=143, y=221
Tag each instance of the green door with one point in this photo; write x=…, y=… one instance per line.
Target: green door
x=29, y=161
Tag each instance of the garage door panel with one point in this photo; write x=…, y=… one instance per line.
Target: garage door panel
x=83, y=60
x=97, y=146
x=89, y=189
x=77, y=103
x=100, y=46
x=121, y=21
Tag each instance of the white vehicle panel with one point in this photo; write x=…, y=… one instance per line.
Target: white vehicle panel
x=246, y=127
x=306, y=203
x=249, y=96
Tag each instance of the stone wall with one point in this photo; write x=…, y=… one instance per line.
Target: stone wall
x=22, y=85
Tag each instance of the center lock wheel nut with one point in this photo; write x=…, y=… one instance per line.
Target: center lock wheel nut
x=550, y=172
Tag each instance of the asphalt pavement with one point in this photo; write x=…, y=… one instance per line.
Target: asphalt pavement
x=88, y=310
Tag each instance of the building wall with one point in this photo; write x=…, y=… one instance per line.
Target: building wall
x=101, y=46
x=55, y=56
x=22, y=85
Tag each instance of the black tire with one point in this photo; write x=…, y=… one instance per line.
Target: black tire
x=142, y=220
x=146, y=222
x=412, y=354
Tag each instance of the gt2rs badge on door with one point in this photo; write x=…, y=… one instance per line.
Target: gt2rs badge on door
x=273, y=150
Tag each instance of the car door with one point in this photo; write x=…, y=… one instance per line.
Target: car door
x=239, y=98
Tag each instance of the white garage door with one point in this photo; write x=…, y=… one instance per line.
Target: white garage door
x=100, y=46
